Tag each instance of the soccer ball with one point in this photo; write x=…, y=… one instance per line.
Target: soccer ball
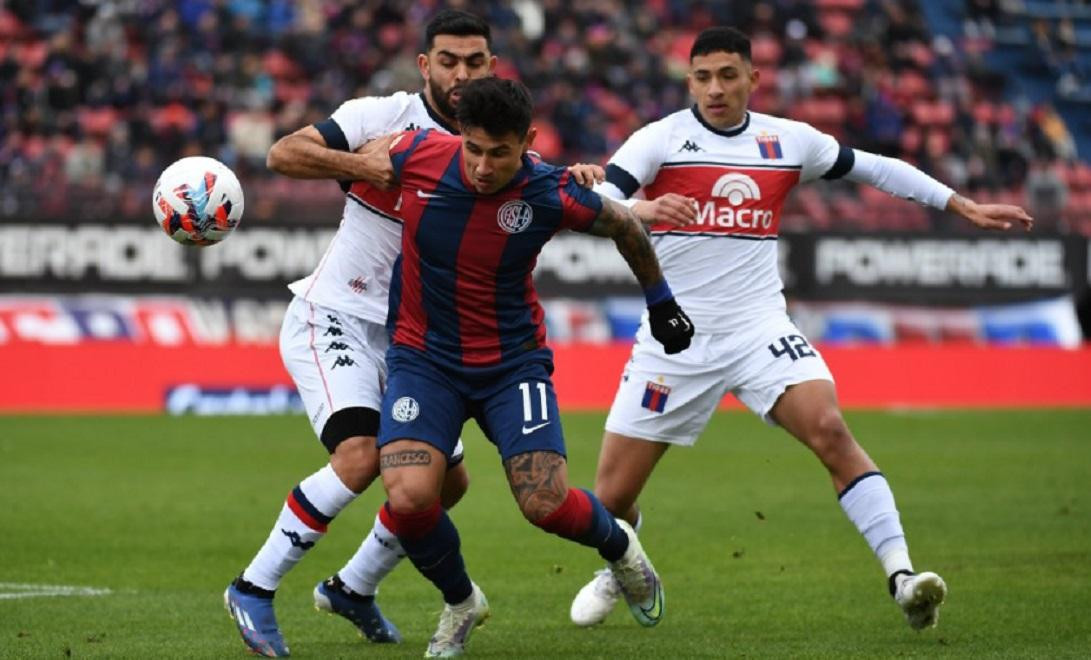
x=197, y=201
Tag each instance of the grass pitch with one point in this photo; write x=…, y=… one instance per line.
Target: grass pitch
x=757, y=558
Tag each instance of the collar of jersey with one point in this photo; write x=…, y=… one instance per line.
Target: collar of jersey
x=436, y=117
x=729, y=133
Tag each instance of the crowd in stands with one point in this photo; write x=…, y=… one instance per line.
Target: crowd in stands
x=97, y=97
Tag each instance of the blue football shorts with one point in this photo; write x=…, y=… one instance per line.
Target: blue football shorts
x=514, y=404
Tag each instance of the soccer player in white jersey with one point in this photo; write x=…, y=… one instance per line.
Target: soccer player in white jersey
x=333, y=340
x=737, y=167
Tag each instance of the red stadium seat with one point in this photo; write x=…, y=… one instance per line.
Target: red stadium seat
x=843, y=5
x=765, y=51
x=837, y=24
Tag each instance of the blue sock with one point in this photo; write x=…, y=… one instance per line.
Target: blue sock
x=438, y=557
x=582, y=518
x=604, y=533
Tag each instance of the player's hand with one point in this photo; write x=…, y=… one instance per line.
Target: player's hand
x=375, y=167
x=587, y=175
x=669, y=209
x=670, y=326
x=990, y=216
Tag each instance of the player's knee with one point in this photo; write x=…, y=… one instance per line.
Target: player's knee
x=829, y=434
x=409, y=493
x=455, y=484
x=356, y=462
x=410, y=500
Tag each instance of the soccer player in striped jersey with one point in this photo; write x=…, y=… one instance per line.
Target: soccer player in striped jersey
x=737, y=167
x=333, y=340
x=468, y=341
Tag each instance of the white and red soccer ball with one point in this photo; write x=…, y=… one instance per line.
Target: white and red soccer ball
x=198, y=201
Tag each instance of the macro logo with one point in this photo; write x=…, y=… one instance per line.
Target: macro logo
x=514, y=216
x=736, y=189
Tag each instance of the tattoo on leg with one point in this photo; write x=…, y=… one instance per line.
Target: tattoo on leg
x=404, y=458
x=539, y=482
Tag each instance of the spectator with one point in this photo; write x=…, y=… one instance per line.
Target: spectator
x=118, y=90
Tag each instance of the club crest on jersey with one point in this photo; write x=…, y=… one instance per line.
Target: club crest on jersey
x=655, y=396
x=405, y=409
x=514, y=216
x=769, y=146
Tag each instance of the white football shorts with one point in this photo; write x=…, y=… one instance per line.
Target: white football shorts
x=670, y=398
x=337, y=361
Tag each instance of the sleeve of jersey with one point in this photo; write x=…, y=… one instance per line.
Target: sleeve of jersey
x=821, y=154
x=402, y=148
x=356, y=121
x=635, y=163
x=579, y=206
x=898, y=178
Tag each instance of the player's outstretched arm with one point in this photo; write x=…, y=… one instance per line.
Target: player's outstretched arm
x=989, y=216
x=669, y=324
x=903, y=180
x=305, y=155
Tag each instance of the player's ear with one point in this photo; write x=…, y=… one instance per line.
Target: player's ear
x=492, y=64
x=422, y=65
x=755, y=77
x=689, y=84
x=531, y=134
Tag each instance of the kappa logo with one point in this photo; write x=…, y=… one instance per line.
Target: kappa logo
x=405, y=409
x=737, y=188
x=343, y=361
x=297, y=540
x=514, y=216
x=690, y=145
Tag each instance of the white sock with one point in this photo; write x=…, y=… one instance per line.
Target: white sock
x=302, y=522
x=378, y=555
x=869, y=504
x=639, y=521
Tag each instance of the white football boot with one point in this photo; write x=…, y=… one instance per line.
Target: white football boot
x=456, y=622
x=639, y=583
x=596, y=600
x=920, y=596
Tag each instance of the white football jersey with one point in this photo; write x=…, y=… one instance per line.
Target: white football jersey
x=722, y=269
x=354, y=275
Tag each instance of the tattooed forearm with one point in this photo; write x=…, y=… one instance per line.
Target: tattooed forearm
x=621, y=224
x=539, y=482
x=404, y=458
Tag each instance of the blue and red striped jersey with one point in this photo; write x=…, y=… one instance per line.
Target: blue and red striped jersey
x=462, y=290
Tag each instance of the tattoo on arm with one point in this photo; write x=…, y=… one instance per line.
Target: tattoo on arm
x=539, y=482
x=405, y=458
x=621, y=224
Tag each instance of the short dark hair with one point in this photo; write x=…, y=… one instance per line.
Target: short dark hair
x=497, y=105
x=457, y=23
x=726, y=39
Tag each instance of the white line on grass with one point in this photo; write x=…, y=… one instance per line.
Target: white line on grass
x=13, y=590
